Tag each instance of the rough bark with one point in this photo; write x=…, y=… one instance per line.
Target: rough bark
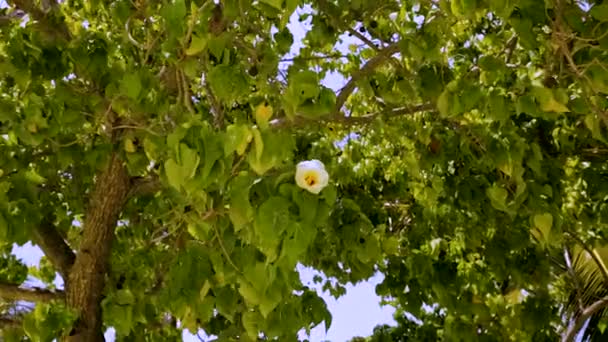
x=14, y=293
x=87, y=277
x=9, y=323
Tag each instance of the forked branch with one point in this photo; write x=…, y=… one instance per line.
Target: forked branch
x=54, y=247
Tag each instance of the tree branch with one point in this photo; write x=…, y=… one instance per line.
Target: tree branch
x=54, y=247
x=354, y=120
x=14, y=292
x=336, y=114
x=382, y=56
x=12, y=16
x=578, y=323
x=43, y=15
x=9, y=323
x=87, y=277
x=141, y=186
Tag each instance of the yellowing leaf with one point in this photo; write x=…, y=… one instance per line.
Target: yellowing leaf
x=542, y=226
x=513, y=297
x=34, y=177
x=554, y=106
x=129, y=145
x=263, y=113
x=258, y=143
x=547, y=101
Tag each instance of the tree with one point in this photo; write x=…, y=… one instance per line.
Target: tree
x=149, y=148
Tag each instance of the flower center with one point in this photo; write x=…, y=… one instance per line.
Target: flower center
x=310, y=180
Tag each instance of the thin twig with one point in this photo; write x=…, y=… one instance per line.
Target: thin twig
x=216, y=107
x=186, y=91
x=312, y=58
x=131, y=39
x=221, y=243
x=363, y=38
x=510, y=48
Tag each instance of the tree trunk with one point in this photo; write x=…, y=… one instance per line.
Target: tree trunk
x=86, y=280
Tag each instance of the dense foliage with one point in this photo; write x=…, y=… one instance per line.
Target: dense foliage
x=150, y=148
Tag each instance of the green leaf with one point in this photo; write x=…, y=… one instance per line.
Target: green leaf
x=330, y=194
x=593, y=124
x=498, y=196
x=34, y=177
x=241, y=212
x=131, y=85
x=284, y=40
x=252, y=322
x=125, y=297
x=249, y=293
x=303, y=85
x=498, y=107
x=271, y=220
x=600, y=12
x=237, y=138
x=228, y=83
x=120, y=317
x=270, y=150
x=178, y=173
x=443, y=103
x=175, y=15
x=542, y=224
x=299, y=238
x=259, y=276
x=189, y=160
x=226, y=302
x=271, y=300
x=197, y=45
x=199, y=230
x=390, y=246
x=547, y=101
x=274, y=3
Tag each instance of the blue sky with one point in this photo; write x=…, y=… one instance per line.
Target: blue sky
x=354, y=314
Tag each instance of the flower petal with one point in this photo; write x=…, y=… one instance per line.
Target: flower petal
x=309, y=168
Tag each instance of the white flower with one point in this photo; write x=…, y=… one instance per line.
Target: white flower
x=311, y=175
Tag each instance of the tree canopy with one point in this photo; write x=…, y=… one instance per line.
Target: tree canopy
x=153, y=150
